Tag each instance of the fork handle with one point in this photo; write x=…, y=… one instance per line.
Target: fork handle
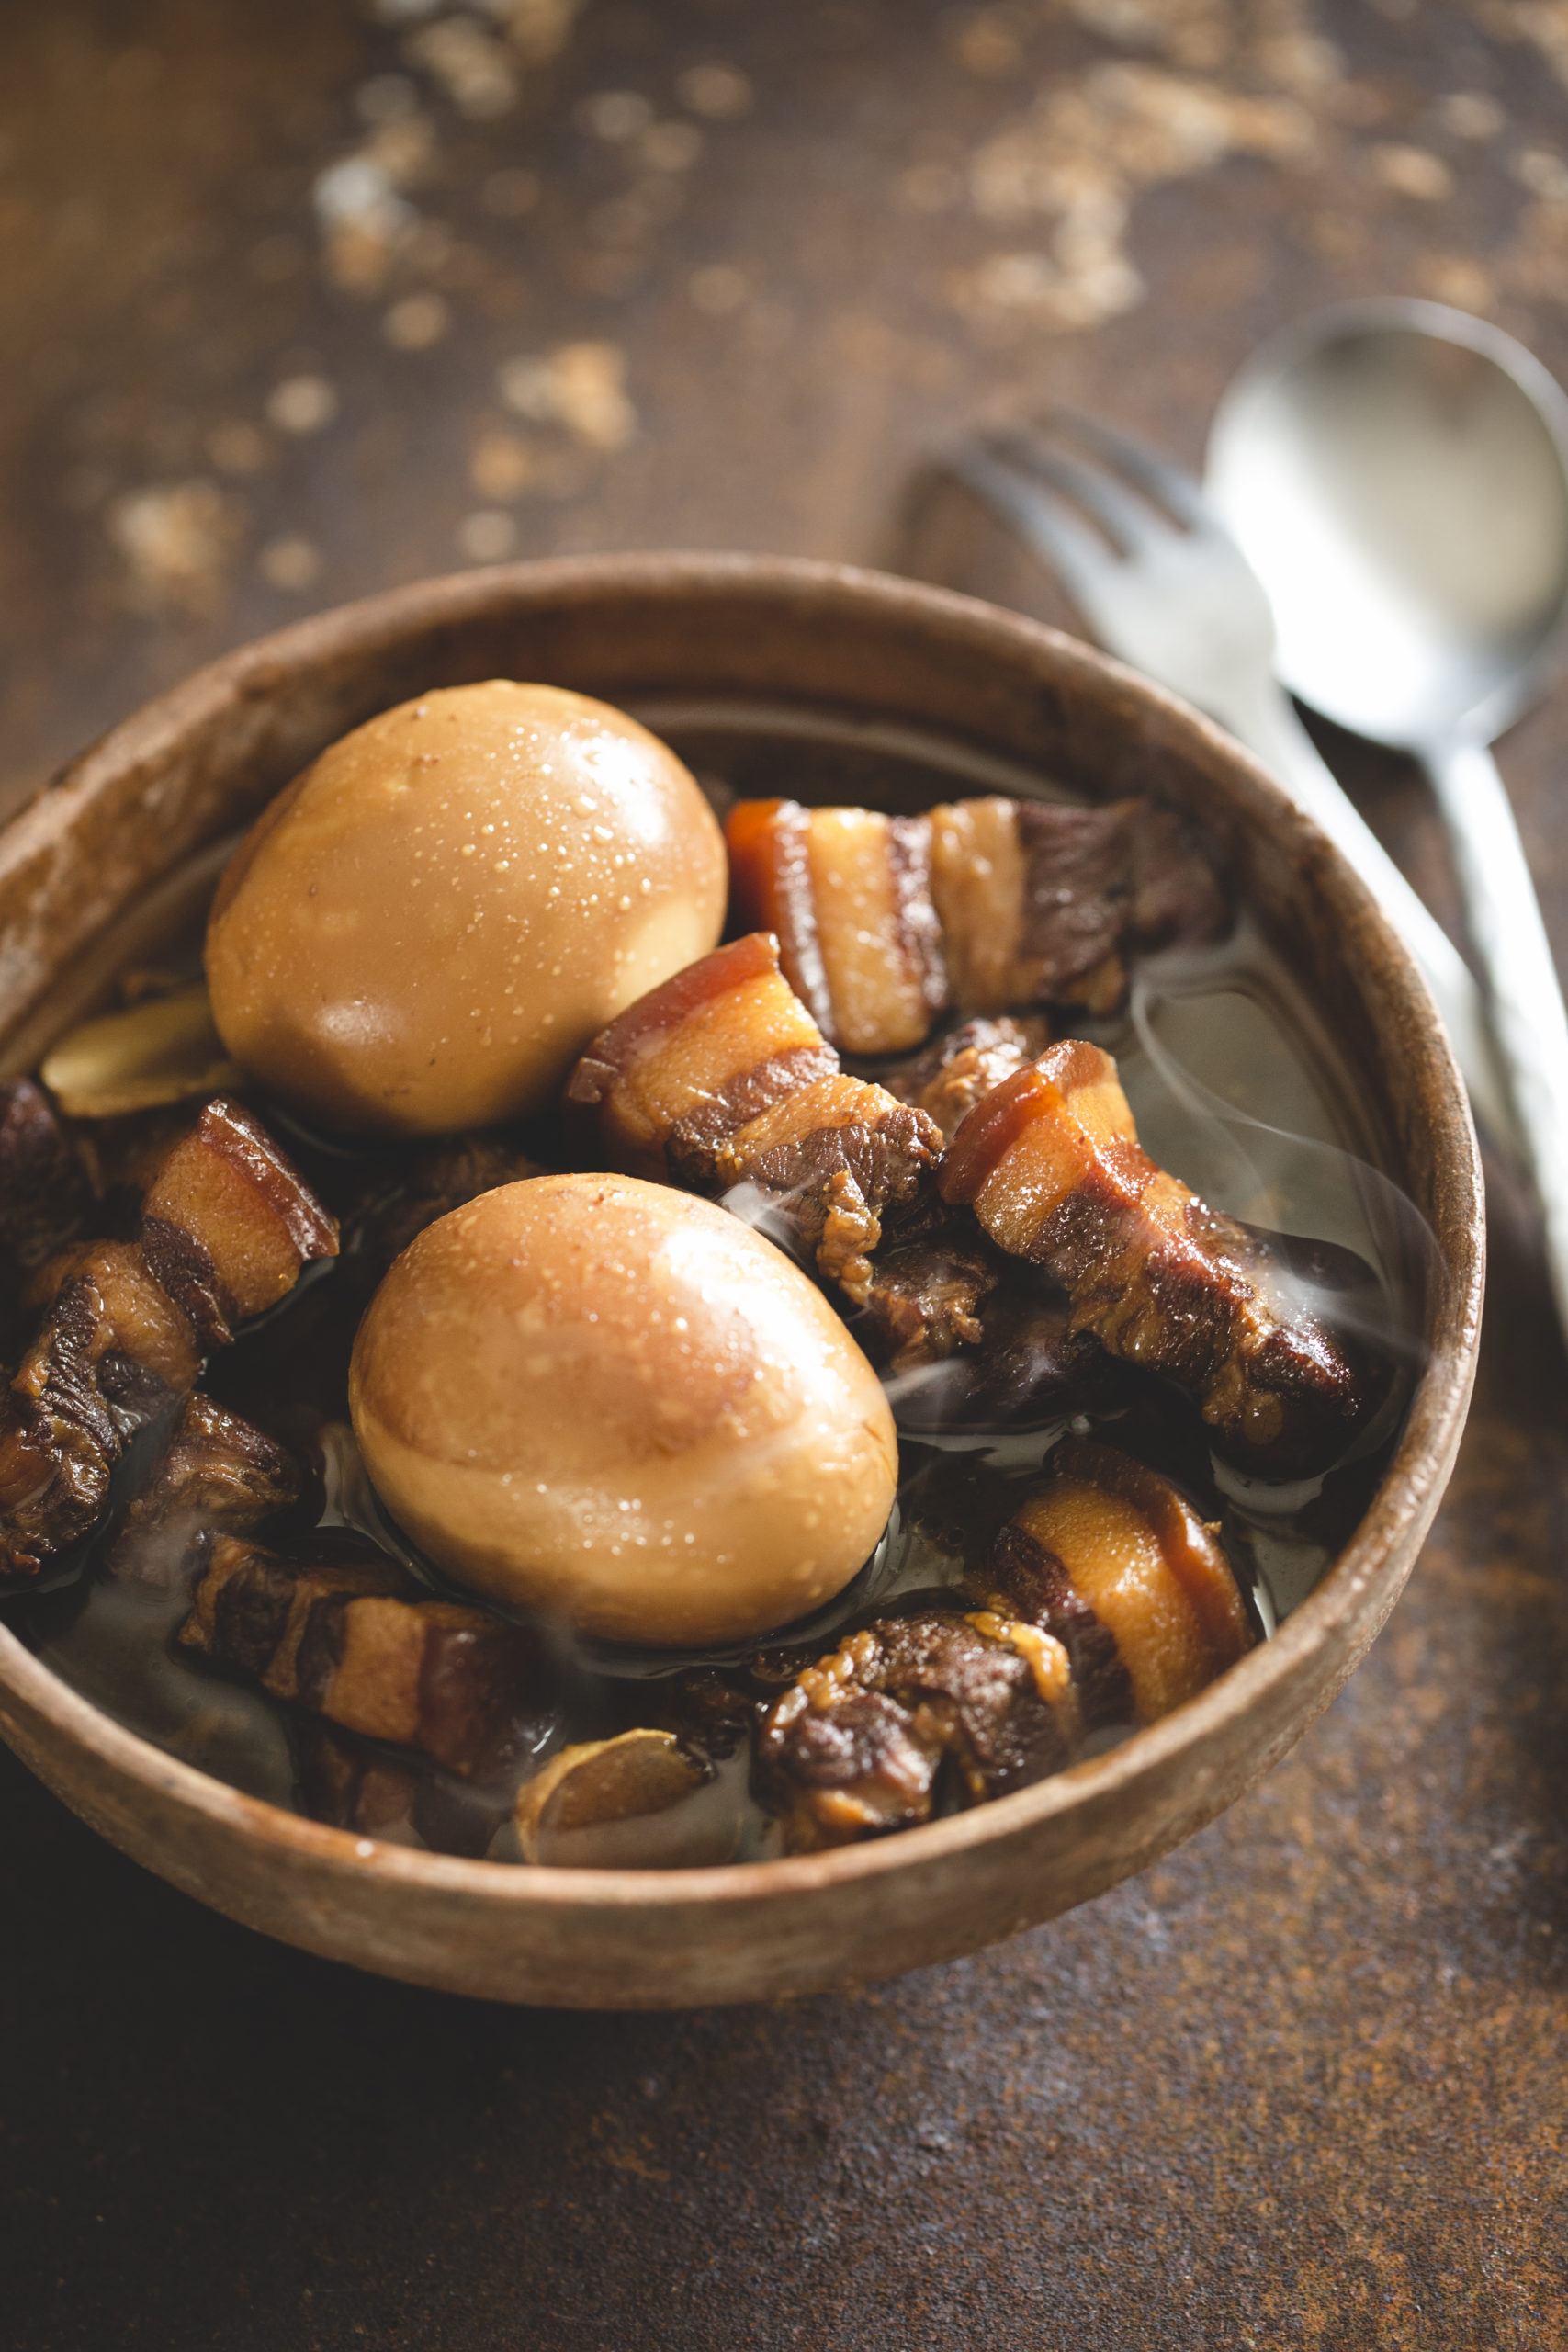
x=1265, y=720
x=1515, y=956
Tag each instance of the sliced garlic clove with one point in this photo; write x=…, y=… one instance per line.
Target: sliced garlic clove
x=591, y=1806
x=160, y=1051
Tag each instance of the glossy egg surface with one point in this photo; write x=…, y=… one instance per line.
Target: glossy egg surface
x=600, y=1398
x=424, y=930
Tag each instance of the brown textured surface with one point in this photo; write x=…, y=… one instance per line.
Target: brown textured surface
x=1304, y=2084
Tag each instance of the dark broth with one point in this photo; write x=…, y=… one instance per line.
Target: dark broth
x=1233, y=1089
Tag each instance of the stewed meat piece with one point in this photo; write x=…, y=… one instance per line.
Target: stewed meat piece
x=985, y=904
x=218, y=1474
x=847, y=891
x=860, y=1742
x=721, y=1079
x=709, y=1713
x=352, y=1785
x=1053, y=1167
x=47, y=1180
x=342, y=1633
x=940, y=1291
x=936, y=1269
x=963, y=1066
x=663, y=1088
x=390, y=1794
x=924, y=1299
x=1041, y=903
x=834, y=1155
x=1111, y=1559
x=227, y=1225
x=989, y=1352
x=1105, y=1602
x=393, y=1211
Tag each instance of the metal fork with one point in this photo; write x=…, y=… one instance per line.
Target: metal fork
x=1168, y=591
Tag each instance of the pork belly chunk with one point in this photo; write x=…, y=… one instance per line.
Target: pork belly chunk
x=1111, y=1559
x=835, y=1155
x=1041, y=903
x=218, y=1474
x=1053, y=1167
x=722, y=1082
x=47, y=1180
x=960, y=1068
x=124, y=1327
x=344, y=1634
x=1106, y=1601
x=847, y=892
x=664, y=1086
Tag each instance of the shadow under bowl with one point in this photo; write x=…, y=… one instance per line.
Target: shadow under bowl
x=891, y=664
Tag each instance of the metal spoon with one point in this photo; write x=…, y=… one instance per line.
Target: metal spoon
x=1397, y=475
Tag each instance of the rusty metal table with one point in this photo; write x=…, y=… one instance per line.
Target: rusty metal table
x=301, y=298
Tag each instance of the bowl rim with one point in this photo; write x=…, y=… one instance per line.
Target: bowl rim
x=1438, y=1406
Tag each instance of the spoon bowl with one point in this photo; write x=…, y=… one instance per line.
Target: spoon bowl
x=1414, y=464
x=1396, y=474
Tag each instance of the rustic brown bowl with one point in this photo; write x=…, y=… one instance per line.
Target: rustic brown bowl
x=202, y=760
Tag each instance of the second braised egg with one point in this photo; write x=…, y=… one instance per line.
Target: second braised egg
x=600, y=1398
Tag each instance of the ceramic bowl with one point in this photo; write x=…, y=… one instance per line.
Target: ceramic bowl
x=857, y=658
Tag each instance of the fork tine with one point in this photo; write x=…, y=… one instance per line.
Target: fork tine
x=1053, y=534
x=1170, y=484
x=1127, y=521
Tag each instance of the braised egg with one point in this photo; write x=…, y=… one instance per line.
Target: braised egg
x=424, y=930
x=606, y=1400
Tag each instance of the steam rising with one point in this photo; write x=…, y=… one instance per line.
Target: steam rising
x=1380, y=1256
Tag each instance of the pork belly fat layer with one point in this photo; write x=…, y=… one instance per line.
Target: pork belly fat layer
x=229, y=1189
x=344, y=1640
x=1052, y=1163
x=978, y=882
x=1111, y=1559
x=1042, y=903
x=848, y=893
x=693, y=1060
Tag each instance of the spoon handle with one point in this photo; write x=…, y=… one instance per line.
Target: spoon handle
x=1264, y=719
x=1510, y=939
